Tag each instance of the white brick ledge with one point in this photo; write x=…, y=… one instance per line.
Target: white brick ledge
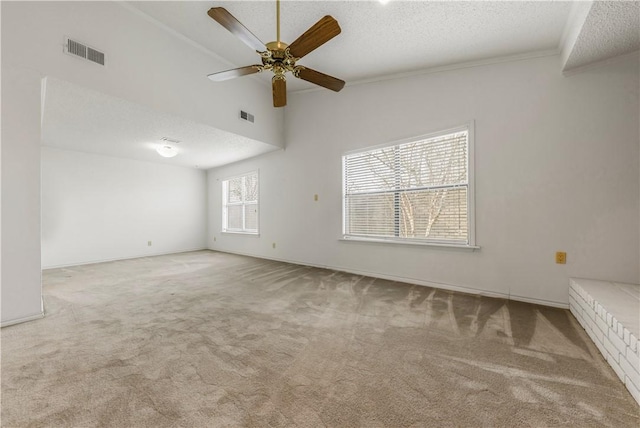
x=610, y=314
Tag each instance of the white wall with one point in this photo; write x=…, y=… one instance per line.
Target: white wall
x=556, y=169
x=97, y=208
x=145, y=64
x=20, y=253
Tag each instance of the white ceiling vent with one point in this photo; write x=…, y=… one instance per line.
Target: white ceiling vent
x=73, y=47
x=246, y=116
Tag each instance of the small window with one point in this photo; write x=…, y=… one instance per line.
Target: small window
x=416, y=191
x=240, y=204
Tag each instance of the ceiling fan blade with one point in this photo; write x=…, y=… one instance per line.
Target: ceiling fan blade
x=279, y=88
x=236, y=72
x=319, y=33
x=318, y=78
x=228, y=21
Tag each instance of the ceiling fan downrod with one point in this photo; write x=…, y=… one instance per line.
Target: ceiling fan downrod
x=278, y=21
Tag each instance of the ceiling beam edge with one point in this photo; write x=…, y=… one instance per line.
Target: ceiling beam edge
x=573, y=28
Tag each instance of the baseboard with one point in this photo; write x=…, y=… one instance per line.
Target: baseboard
x=21, y=320
x=439, y=285
x=542, y=302
x=457, y=288
x=165, y=253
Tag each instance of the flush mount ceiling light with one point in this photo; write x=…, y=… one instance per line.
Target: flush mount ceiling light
x=166, y=151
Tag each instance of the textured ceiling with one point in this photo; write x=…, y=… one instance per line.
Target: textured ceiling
x=376, y=40
x=76, y=118
x=609, y=29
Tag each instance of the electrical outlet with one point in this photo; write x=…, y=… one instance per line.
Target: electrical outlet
x=148, y=243
x=214, y=239
x=273, y=245
x=315, y=197
x=561, y=258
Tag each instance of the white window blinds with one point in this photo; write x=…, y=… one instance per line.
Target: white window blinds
x=240, y=204
x=417, y=191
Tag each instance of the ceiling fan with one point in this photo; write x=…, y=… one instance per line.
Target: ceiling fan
x=279, y=57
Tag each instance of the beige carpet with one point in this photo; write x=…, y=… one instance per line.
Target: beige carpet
x=213, y=339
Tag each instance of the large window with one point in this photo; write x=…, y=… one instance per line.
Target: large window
x=415, y=191
x=240, y=204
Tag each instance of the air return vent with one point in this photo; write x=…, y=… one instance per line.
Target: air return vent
x=246, y=116
x=95, y=56
x=73, y=47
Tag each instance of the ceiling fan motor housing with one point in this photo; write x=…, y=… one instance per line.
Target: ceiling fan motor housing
x=278, y=59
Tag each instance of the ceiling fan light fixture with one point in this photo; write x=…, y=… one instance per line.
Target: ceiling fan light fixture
x=280, y=57
x=166, y=151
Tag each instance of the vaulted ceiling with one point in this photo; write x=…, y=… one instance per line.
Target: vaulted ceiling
x=382, y=40
x=377, y=42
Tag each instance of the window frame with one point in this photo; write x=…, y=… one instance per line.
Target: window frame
x=469, y=127
x=243, y=203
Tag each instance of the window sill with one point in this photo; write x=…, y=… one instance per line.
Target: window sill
x=411, y=243
x=231, y=232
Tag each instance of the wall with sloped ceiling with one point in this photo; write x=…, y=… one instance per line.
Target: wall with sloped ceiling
x=145, y=64
x=556, y=161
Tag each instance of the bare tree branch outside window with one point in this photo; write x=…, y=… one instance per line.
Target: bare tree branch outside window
x=240, y=204
x=415, y=190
